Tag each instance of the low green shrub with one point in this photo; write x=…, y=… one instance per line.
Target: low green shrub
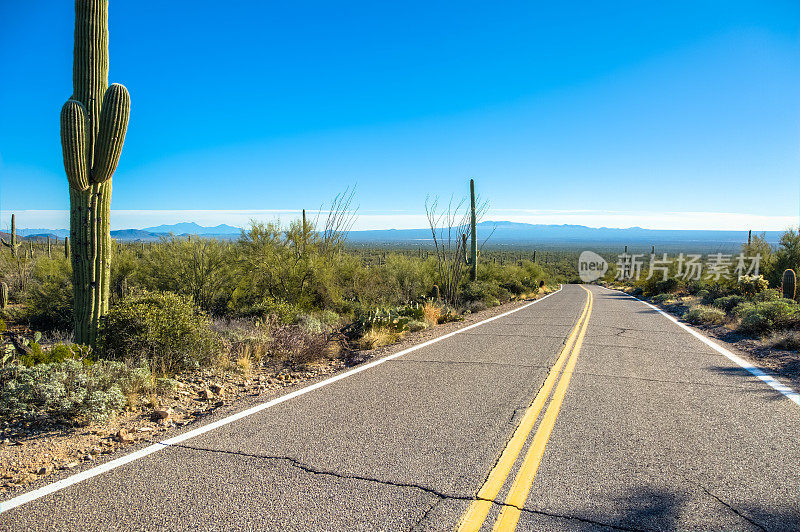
x=771, y=294
x=750, y=285
x=703, y=315
x=667, y=286
x=728, y=303
x=162, y=329
x=660, y=298
x=761, y=317
x=69, y=390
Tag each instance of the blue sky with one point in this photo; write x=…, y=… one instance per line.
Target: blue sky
x=658, y=114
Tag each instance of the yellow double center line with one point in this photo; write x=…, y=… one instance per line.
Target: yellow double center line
x=507, y=520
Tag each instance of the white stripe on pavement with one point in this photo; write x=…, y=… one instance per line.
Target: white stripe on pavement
x=760, y=374
x=113, y=464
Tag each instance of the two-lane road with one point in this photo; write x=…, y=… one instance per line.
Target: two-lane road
x=586, y=410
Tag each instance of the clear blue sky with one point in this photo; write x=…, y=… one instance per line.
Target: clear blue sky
x=560, y=107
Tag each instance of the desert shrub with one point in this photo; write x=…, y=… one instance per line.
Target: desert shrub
x=785, y=340
x=782, y=312
x=245, y=342
x=761, y=317
x=416, y=325
x=704, y=295
x=163, y=329
x=667, y=286
x=296, y=345
x=755, y=323
x=200, y=268
x=750, y=285
x=377, y=337
x=431, y=313
x=660, y=298
x=69, y=390
x=728, y=303
x=703, y=315
x=48, y=303
x=770, y=294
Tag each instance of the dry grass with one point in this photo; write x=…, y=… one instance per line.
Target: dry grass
x=377, y=337
x=431, y=313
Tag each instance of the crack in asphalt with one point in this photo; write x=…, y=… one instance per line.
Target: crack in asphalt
x=730, y=507
x=441, y=496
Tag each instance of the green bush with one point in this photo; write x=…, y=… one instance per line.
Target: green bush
x=667, y=286
x=770, y=294
x=761, y=317
x=69, y=390
x=750, y=285
x=728, y=303
x=163, y=329
x=755, y=324
x=660, y=298
x=703, y=315
x=48, y=303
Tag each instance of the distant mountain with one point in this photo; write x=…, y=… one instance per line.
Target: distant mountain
x=514, y=233
x=191, y=228
x=134, y=235
x=503, y=233
x=61, y=233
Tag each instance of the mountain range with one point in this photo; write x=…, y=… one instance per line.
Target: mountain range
x=502, y=233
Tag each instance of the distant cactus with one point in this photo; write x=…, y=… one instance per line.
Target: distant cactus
x=93, y=126
x=66, y=248
x=473, y=234
x=789, y=284
x=13, y=244
x=436, y=292
x=3, y=295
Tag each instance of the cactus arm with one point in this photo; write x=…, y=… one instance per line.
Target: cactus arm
x=73, y=144
x=113, y=126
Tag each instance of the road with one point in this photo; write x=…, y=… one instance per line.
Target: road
x=587, y=410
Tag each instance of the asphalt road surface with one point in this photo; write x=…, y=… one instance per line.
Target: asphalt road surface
x=587, y=410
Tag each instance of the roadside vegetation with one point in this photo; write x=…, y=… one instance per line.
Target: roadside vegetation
x=280, y=298
x=763, y=307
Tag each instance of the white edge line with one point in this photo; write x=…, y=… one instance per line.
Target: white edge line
x=141, y=453
x=757, y=372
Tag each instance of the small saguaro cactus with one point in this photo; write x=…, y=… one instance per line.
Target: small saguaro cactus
x=473, y=234
x=13, y=245
x=93, y=126
x=789, y=284
x=3, y=295
x=66, y=247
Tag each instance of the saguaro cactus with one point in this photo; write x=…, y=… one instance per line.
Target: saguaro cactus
x=93, y=125
x=789, y=284
x=473, y=234
x=13, y=245
x=66, y=247
x=3, y=295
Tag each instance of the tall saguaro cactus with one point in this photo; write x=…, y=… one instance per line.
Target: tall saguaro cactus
x=473, y=234
x=93, y=125
x=13, y=244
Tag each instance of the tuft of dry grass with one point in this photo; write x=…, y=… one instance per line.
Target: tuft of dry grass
x=431, y=313
x=789, y=340
x=377, y=337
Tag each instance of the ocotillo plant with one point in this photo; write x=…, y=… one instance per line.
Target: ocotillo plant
x=473, y=234
x=93, y=125
x=789, y=284
x=13, y=245
x=466, y=249
x=3, y=295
